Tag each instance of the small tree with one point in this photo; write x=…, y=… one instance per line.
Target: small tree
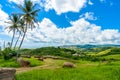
x=6, y=53
x=15, y=26
x=29, y=16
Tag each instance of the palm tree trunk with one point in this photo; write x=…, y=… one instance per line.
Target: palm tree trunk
x=4, y=45
x=17, y=41
x=12, y=38
x=23, y=37
x=21, y=42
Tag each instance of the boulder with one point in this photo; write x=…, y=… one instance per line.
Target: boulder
x=24, y=63
x=40, y=59
x=26, y=56
x=7, y=74
x=68, y=64
x=36, y=56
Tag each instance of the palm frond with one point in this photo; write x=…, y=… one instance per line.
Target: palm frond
x=22, y=8
x=34, y=13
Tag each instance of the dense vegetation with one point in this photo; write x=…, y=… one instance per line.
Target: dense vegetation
x=56, y=51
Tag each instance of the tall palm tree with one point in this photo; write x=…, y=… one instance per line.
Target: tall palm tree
x=17, y=40
x=21, y=29
x=14, y=20
x=29, y=15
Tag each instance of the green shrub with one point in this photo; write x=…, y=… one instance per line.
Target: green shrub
x=8, y=53
x=9, y=63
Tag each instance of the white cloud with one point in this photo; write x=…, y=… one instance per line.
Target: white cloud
x=81, y=32
x=64, y=6
x=3, y=18
x=88, y=16
x=21, y=1
x=90, y=3
x=1, y=43
x=60, y=6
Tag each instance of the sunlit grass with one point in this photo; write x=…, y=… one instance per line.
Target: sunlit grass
x=90, y=72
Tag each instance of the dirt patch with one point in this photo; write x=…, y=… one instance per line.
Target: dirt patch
x=48, y=65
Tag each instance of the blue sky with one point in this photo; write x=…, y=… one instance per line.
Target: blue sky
x=68, y=22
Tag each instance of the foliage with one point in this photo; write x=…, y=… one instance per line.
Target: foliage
x=12, y=62
x=56, y=51
x=34, y=62
x=8, y=53
x=29, y=14
x=14, y=26
x=9, y=63
x=115, y=51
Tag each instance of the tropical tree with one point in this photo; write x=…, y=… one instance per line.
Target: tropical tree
x=17, y=40
x=14, y=25
x=29, y=15
x=21, y=29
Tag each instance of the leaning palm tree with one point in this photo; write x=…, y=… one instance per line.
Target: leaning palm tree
x=17, y=40
x=29, y=15
x=21, y=29
x=14, y=20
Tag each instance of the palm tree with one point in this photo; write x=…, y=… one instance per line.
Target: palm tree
x=29, y=15
x=14, y=22
x=17, y=40
x=21, y=26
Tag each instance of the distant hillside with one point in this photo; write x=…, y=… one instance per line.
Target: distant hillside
x=57, y=51
x=88, y=46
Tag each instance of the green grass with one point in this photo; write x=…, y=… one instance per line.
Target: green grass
x=12, y=62
x=78, y=73
x=34, y=62
x=112, y=56
x=101, y=53
x=9, y=63
x=84, y=70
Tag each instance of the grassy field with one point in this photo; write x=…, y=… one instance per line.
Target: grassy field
x=9, y=63
x=14, y=64
x=101, y=65
x=84, y=70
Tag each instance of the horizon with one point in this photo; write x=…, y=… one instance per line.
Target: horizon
x=67, y=22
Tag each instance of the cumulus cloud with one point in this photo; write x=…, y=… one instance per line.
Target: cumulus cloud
x=3, y=17
x=90, y=3
x=81, y=32
x=64, y=6
x=1, y=43
x=88, y=16
x=60, y=6
x=21, y=1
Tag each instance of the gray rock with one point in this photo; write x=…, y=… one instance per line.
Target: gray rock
x=7, y=74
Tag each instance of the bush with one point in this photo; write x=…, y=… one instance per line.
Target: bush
x=8, y=53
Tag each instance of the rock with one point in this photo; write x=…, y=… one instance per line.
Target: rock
x=24, y=63
x=36, y=56
x=77, y=55
x=7, y=74
x=40, y=59
x=26, y=56
x=68, y=64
